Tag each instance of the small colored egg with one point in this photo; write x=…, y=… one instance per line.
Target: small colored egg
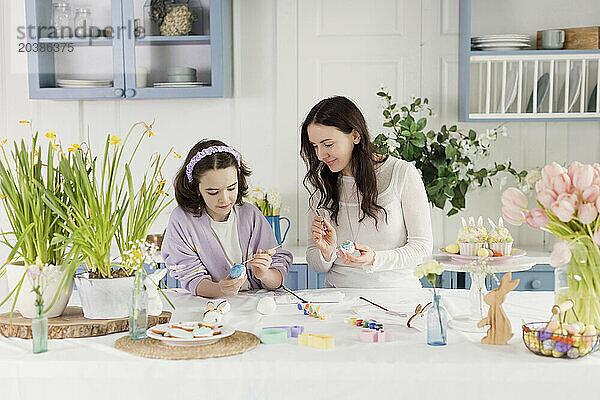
x=562, y=347
x=544, y=334
x=553, y=325
x=573, y=329
x=548, y=344
x=573, y=353
x=557, y=354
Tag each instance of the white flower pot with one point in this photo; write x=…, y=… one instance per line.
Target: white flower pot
x=26, y=299
x=104, y=298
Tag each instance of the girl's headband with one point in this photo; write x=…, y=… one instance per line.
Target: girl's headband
x=207, y=152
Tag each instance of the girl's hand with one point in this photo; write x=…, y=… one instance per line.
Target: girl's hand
x=363, y=255
x=230, y=286
x=324, y=237
x=261, y=262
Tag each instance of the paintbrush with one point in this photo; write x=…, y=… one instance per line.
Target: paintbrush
x=397, y=314
x=250, y=259
x=293, y=294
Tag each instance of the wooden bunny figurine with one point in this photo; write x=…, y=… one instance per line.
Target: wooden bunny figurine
x=500, y=330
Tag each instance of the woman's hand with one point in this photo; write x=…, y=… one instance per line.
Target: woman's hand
x=261, y=262
x=365, y=256
x=324, y=237
x=230, y=286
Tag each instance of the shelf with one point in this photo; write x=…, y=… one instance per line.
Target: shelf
x=173, y=40
x=76, y=41
x=532, y=52
x=501, y=85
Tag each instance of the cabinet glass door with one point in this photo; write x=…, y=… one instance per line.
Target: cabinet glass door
x=76, y=49
x=177, y=50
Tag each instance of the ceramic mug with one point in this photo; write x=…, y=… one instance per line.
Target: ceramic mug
x=553, y=39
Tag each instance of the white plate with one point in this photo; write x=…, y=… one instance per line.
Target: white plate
x=507, y=36
x=176, y=84
x=574, y=88
x=172, y=341
x=83, y=81
x=542, y=90
x=517, y=41
x=501, y=44
x=512, y=75
x=82, y=86
x=513, y=254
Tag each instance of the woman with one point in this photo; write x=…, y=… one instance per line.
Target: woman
x=376, y=201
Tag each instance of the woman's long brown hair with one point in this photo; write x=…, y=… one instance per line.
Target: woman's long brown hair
x=343, y=114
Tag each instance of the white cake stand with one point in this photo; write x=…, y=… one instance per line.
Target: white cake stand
x=479, y=268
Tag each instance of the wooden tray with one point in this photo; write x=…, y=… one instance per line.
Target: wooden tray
x=578, y=38
x=72, y=324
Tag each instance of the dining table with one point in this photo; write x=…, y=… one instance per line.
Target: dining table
x=406, y=367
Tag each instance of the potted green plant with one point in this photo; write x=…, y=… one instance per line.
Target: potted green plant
x=446, y=158
x=27, y=172
x=105, y=207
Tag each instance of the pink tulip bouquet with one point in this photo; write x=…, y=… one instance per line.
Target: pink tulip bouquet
x=568, y=207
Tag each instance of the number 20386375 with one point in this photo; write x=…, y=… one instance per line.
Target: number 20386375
x=45, y=47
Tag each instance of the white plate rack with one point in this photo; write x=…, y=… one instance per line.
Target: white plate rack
x=505, y=86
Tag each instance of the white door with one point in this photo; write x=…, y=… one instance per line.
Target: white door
x=353, y=48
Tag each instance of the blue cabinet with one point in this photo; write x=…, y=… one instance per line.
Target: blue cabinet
x=116, y=56
x=301, y=276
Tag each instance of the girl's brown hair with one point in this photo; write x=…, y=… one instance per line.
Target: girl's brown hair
x=341, y=113
x=188, y=194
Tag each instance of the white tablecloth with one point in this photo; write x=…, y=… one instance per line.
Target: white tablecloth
x=91, y=368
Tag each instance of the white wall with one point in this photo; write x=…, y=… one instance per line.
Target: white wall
x=287, y=55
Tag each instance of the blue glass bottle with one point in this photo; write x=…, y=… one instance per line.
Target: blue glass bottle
x=437, y=323
x=138, y=316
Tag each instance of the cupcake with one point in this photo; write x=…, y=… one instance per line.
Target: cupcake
x=499, y=239
x=471, y=237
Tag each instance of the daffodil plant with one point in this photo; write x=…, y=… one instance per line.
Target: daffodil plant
x=26, y=173
x=102, y=203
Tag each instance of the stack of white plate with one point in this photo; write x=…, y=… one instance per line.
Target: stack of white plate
x=500, y=42
x=83, y=83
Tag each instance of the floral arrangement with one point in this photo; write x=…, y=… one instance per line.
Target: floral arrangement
x=446, y=158
x=103, y=204
x=267, y=201
x=568, y=202
x=432, y=270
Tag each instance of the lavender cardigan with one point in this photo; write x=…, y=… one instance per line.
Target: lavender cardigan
x=192, y=251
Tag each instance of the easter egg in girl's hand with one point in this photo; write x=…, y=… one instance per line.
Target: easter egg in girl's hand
x=237, y=271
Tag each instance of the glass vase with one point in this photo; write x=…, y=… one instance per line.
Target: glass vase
x=579, y=280
x=39, y=332
x=437, y=323
x=138, y=316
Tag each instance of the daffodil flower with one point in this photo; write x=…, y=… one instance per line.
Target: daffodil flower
x=115, y=140
x=51, y=134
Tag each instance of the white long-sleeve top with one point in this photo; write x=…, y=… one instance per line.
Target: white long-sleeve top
x=400, y=244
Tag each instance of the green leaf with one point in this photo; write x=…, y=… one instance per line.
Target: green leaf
x=388, y=124
x=450, y=151
x=381, y=94
x=386, y=113
x=418, y=140
x=395, y=119
x=472, y=134
x=452, y=212
x=421, y=124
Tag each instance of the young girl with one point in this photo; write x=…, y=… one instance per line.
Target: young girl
x=377, y=202
x=213, y=229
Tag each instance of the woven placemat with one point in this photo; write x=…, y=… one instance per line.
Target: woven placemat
x=238, y=343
